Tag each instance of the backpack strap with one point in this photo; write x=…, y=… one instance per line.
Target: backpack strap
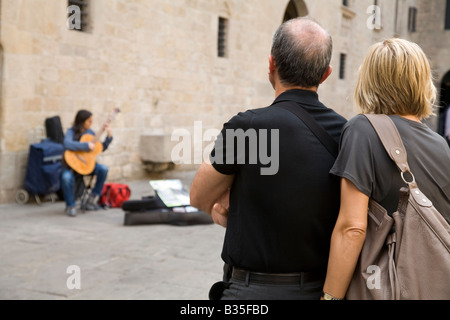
x=324, y=137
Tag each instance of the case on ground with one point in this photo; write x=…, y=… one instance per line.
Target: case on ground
x=167, y=216
x=152, y=210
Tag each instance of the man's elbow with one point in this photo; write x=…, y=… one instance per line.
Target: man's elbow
x=194, y=199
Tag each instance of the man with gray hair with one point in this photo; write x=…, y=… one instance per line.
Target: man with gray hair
x=279, y=221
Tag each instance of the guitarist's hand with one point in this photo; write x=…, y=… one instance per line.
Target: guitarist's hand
x=91, y=146
x=108, y=130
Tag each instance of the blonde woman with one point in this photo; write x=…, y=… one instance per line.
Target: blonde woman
x=395, y=79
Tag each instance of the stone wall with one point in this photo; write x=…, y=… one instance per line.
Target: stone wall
x=157, y=61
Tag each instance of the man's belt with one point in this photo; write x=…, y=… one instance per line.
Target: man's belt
x=276, y=278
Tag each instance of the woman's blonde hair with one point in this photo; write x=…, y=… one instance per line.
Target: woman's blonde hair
x=395, y=79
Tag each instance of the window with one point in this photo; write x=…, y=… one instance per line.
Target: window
x=345, y=3
x=291, y=12
x=78, y=18
x=295, y=9
x=412, y=19
x=343, y=61
x=447, y=16
x=222, y=38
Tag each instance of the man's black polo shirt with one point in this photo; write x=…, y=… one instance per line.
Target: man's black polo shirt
x=281, y=218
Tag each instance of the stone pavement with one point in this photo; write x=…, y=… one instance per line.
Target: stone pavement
x=38, y=243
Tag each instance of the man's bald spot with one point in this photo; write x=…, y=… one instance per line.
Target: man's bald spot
x=308, y=31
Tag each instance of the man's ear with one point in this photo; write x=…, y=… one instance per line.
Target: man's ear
x=272, y=65
x=327, y=74
x=272, y=71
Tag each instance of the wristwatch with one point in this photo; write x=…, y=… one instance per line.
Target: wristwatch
x=326, y=296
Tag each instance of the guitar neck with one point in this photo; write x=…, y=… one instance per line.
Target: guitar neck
x=102, y=129
x=98, y=135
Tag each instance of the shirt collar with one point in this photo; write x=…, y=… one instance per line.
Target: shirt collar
x=301, y=96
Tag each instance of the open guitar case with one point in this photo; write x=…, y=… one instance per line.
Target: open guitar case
x=152, y=210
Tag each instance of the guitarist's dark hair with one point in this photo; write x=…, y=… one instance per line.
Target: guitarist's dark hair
x=78, y=124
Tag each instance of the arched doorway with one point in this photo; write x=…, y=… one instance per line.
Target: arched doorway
x=295, y=8
x=444, y=103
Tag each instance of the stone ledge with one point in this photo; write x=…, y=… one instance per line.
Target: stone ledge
x=156, y=148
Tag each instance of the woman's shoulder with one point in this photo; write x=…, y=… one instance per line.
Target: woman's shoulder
x=361, y=126
x=359, y=121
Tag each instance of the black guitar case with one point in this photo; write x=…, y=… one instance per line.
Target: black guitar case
x=54, y=130
x=152, y=210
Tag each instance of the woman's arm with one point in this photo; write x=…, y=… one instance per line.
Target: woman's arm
x=109, y=137
x=347, y=239
x=71, y=144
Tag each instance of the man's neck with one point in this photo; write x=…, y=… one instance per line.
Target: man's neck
x=281, y=89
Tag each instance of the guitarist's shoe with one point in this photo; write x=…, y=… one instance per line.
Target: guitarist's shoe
x=92, y=203
x=71, y=212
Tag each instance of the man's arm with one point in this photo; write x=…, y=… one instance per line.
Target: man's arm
x=209, y=188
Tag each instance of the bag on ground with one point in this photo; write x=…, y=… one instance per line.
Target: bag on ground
x=114, y=194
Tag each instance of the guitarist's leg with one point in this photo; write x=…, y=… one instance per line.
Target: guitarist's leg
x=68, y=189
x=101, y=173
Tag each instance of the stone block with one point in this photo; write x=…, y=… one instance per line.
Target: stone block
x=156, y=148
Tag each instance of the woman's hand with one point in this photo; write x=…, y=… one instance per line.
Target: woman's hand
x=108, y=130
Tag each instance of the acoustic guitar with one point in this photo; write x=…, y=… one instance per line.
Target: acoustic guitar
x=83, y=162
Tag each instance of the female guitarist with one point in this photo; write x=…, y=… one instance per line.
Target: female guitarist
x=82, y=127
